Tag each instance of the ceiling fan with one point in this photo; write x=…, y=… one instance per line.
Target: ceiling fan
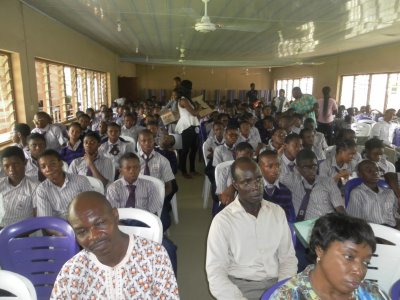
x=204, y=25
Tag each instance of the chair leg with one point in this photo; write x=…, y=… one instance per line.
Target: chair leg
x=206, y=191
x=174, y=204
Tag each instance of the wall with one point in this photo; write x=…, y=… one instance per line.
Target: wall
x=210, y=79
x=371, y=60
x=29, y=34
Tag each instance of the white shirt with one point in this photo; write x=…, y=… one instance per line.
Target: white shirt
x=248, y=247
x=384, y=131
x=186, y=120
x=53, y=135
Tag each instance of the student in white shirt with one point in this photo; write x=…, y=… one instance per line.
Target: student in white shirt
x=384, y=129
x=374, y=151
x=52, y=133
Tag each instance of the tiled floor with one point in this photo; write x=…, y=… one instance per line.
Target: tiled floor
x=190, y=235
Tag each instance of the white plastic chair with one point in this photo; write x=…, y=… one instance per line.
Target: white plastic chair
x=385, y=263
x=207, y=184
x=174, y=205
x=362, y=130
x=371, y=122
x=155, y=230
x=159, y=185
x=128, y=139
x=18, y=285
x=96, y=184
x=178, y=141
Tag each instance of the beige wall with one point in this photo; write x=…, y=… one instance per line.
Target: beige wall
x=210, y=79
x=29, y=34
x=371, y=60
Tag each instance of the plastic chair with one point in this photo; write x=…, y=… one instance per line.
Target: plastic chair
x=352, y=183
x=155, y=230
x=221, y=166
x=17, y=285
x=178, y=141
x=159, y=185
x=384, y=268
x=272, y=289
x=128, y=139
x=395, y=291
x=174, y=205
x=38, y=258
x=96, y=184
x=207, y=184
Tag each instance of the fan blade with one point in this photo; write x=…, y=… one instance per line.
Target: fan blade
x=244, y=28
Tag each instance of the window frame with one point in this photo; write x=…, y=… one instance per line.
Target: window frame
x=77, y=90
x=299, y=79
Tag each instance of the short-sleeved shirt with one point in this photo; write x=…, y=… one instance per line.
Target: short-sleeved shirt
x=146, y=196
x=53, y=135
x=122, y=148
x=304, y=104
x=158, y=165
x=145, y=272
x=52, y=200
x=222, y=153
x=17, y=200
x=103, y=164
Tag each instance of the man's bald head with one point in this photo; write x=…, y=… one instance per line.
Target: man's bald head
x=88, y=200
x=243, y=163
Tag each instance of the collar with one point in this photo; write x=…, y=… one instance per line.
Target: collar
x=126, y=183
x=217, y=142
x=306, y=184
x=270, y=145
x=269, y=185
x=335, y=165
x=230, y=149
x=142, y=154
x=237, y=207
x=286, y=160
x=15, y=186
x=368, y=190
x=66, y=180
x=118, y=142
x=74, y=147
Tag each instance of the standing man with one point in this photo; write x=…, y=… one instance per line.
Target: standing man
x=281, y=102
x=252, y=95
x=304, y=104
x=249, y=246
x=384, y=129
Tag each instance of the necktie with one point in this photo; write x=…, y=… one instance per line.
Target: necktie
x=131, y=198
x=268, y=191
x=281, y=105
x=291, y=166
x=304, y=204
x=114, y=150
x=146, y=166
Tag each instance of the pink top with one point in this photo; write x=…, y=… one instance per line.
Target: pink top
x=332, y=106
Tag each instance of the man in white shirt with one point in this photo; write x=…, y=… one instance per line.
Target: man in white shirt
x=249, y=246
x=384, y=129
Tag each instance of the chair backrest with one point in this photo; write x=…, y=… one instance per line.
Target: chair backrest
x=17, y=285
x=155, y=230
x=384, y=268
x=38, y=258
x=368, y=121
x=220, y=166
x=129, y=139
x=395, y=291
x=205, y=153
x=96, y=184
x=272, y=289
x=352, y=183
x=159, y=185
x=178, y=140
x=361, y=129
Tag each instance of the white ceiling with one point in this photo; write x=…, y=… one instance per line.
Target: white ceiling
x=259, y=33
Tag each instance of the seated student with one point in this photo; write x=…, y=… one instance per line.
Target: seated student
x=19, y=136
x=78, y=114
x=113, y=147
x=284, y=122
x=244, y=136
x=254, y=135
x=16, y=189
x=55, y=193
x=223, y=118
x=215, y=140
x=265, y=128
x=224, y=187
x=92, y=114
x=74, y=147
x=154, y=164
x=374, y=151
x=226, y=151
x=275, y=191
x=36, y=145
x=277, y=141
x=342, y=247
x=143, y=267
x=130, y=127
x=384, y=129
x=339, y=167
x=132, y=191
x=313, y=196
x=319, y=139
x=297, y=123
x=242, y=259
x=344, y=134
x=84, y=121
x=52, y=133
x=308, y=137
x=102, y=130
x=165, y=149
x=370, y=202
x=291, y=147
x=93, y=163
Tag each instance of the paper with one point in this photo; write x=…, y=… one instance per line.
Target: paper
x=203, y=107
x=303, y=231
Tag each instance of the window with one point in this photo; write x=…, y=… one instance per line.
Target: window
x=305, y=84
x=7, y=111
x=63, y=89
x=381, y=91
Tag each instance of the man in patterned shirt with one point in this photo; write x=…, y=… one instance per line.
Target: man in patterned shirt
x=113, y=265
x=304, y=103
